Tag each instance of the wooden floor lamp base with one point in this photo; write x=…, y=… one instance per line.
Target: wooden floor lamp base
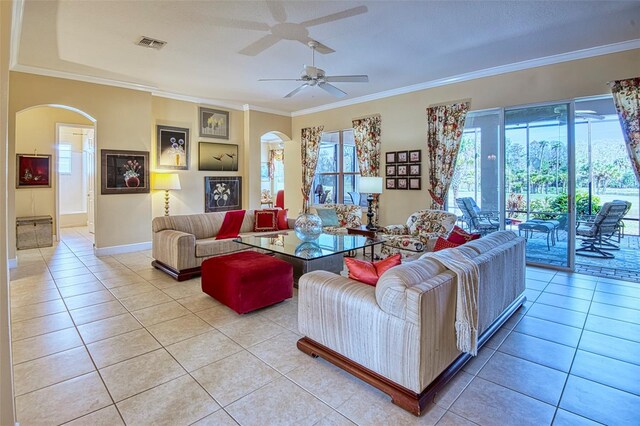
x=409, y=400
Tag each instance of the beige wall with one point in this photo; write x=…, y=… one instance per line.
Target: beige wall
x=257, y=124
x=36, y=132
x=7, y=413
x=404, y=122
x=190, y=199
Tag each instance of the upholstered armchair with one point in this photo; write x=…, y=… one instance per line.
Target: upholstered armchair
x=419, y=234
x=349, y=216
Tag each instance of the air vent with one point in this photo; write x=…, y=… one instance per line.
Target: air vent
x=151, y=42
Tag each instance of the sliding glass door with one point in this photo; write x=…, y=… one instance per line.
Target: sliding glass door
x=539, y=180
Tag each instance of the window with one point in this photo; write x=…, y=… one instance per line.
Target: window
x=337, y=173
x=64, y=159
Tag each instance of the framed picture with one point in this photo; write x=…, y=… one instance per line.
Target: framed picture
x=390, y=183
x=401, y=183
x=33, y=171
x=391, y=170
x=403, y=170
x=414, y=170
x=172, y=148
x=264, y=171
x=391, y=157
x=403, y=156
x=415, y=156
x=217, y=157
x=222, y=193
x=124, y=172
x=415, y=183
x=214, y=123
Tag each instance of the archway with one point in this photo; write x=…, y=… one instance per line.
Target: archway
x=272, y=167
x=40, y=132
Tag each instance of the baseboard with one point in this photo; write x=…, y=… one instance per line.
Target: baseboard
x=12, y=263
x=126, y=248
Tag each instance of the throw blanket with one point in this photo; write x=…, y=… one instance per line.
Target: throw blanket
x=467, y=297
x=231, y=225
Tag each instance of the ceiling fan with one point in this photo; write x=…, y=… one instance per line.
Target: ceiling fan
x=312, y=76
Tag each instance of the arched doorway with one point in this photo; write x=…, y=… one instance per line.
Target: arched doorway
x=271, y=167
x=62, y=137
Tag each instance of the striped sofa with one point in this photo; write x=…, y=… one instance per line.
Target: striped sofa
x=399, y=336
x=181, y=243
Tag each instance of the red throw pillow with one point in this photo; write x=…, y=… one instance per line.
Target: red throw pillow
x=282, y=219
x=231, y=225
x=266, y=220
x=442, y=244
x=368, y=272
x=460, y=236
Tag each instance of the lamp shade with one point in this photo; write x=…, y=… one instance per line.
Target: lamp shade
x=166, y=181
x=370, y=185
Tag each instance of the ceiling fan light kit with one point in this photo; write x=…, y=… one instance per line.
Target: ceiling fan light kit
x=313, y=76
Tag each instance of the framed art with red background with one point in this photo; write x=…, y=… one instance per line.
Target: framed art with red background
x=33, y=171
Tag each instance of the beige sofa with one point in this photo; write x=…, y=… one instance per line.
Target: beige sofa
x=399, y=336
x=181, y=243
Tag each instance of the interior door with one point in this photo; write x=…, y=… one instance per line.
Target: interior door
x=90, y=161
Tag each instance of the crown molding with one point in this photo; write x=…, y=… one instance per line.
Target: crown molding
x=249, y=107
x=488, y=72
x=197, y=100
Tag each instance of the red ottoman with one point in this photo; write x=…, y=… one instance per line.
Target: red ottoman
x=247, y=280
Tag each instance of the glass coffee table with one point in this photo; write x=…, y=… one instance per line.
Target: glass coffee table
x=325, y=253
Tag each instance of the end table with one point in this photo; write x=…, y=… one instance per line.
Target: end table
x=364, y=231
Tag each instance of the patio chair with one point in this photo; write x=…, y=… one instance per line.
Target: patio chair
x=477, y=221
x=596, y=235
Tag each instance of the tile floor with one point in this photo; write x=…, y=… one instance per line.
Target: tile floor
x=110, y=340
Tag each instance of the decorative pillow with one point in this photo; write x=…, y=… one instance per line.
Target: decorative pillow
x=442, y=244
x=231, y=225
x=266, y=220
x=282, y=219
x=329, y=217
x=460, y=236
x=368, y=272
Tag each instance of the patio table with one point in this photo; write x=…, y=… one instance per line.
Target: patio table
x=547, y=227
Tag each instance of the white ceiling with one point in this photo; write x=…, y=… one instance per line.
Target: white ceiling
x=210, y=52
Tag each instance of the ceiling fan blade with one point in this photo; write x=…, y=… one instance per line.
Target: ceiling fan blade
x=332, y=90
x=280, y=79
x=296, y=90
x=335, y=16
x=346, y=78
x=277, y=11
x=260, y=45
x=239, y=24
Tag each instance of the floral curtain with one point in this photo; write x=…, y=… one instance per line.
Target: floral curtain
x=274, y=155
x=310, y=147
x=366, y=132
x=626, y=96
x=445, y=124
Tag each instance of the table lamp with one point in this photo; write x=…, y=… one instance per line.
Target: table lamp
x=370, y=185
x=166, y=182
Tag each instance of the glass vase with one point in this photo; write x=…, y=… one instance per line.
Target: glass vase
x=308, y=226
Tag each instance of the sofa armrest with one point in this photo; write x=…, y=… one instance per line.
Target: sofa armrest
x=395, y=229
x=175, y=249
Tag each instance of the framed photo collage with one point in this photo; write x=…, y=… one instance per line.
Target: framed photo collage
x=403, y=169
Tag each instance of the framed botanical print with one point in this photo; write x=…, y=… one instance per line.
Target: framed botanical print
x=33, y=171
x=403, y=156
x=222, y=193
x=390, y=183
x=403, y=170
x=402, y=183
x=217, y=157
x=124, y=172
x=390, y=157
x=172, y=148
x=391, y=170
x=415, y=156
x=414, y=170
x=415, y=183
x=214, y=123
